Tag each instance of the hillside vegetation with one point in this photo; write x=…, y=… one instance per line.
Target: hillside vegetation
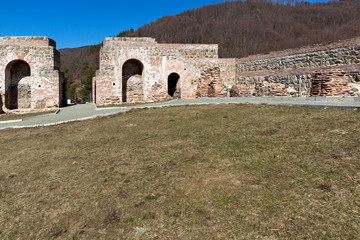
x=241, y=29
x=252, y=27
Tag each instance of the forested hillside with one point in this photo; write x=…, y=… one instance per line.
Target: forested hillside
x=79, y=66
x=242, y=28
x=252, y=27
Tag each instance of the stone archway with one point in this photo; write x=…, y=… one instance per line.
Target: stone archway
x=132, y=81
x=17, y=89
x=173, y=85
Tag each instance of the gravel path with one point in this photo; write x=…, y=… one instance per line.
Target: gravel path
x=88, y=111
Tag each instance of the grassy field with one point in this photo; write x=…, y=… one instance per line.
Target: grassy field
x=8, y=117
x=194, y=172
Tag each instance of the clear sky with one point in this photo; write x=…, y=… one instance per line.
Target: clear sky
x=74, y=23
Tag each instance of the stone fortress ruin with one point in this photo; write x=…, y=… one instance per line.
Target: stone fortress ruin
x=29, y=74
x=142, y=70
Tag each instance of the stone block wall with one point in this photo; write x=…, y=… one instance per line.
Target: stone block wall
x=42, y=86
x=293, y=69
x=336, y=53
x=286, y=84
x=158, y=62
x=193, y=51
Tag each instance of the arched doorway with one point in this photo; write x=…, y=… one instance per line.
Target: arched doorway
x=173, y=85
x=132, y=83
x=17, y=91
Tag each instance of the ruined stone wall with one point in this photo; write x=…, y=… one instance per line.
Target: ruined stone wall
x=158, y=61
x=331, y=83
x=228, y=68
x=210, y=84
x=273, y=84
x=341, y=52
x=291, y=71
x=202, y=73
x=43, y=84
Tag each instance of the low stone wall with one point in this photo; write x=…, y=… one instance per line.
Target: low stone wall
x=294, y=68
x=276, y=86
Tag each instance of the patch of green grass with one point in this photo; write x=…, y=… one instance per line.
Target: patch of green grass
x=152, y=196
x=8, y=117
x=190, y=172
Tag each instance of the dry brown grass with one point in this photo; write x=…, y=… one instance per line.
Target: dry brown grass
x=195, y=172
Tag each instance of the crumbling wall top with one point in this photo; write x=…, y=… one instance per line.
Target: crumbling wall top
x=125, y=41
x=305, y=49
x=131, y=39
x=201, y=51
x=189, y=46
x=27, y=41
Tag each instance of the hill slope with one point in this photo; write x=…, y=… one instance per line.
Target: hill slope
x=246, y=28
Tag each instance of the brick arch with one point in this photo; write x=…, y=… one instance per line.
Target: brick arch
x=188, y=74
x=17, y=90
x=15, y=56
x=132, y=81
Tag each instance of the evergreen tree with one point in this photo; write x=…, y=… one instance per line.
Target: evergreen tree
x=87, y=73
x=126, y=33
x=71, y=89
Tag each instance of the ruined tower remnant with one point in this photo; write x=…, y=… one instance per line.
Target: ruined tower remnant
x=29, y=74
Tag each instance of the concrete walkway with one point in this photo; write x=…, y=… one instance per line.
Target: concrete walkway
x=88, y=111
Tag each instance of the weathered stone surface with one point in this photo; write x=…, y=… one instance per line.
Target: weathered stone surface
x=210, y=84
x=331, y=83
x=242, y=91
x=294, y=67
x=30, y=76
